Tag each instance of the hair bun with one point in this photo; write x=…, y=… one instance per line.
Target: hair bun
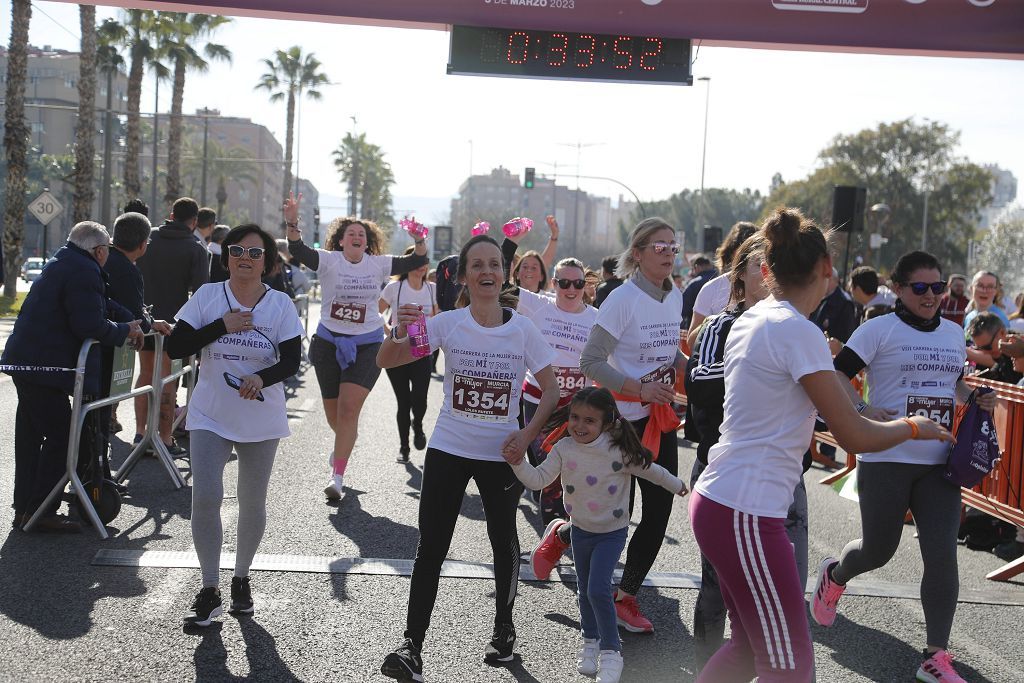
x=782, y=228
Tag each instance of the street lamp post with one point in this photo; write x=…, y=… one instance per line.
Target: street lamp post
x=703, y=159
x=576, y=204
x=881, y=214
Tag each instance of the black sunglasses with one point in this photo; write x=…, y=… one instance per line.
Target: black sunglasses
x=565, y=283
x=919, y=288
x=237, y=251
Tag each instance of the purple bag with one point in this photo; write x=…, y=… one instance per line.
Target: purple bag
x=976, y=450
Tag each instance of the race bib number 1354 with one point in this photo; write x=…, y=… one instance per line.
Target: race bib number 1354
x=481, y=399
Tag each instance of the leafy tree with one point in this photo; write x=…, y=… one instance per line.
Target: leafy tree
x=289, y=75
x=899, y=163
x=722, y=207
x=1001, y=252
x=180, y=34
x=15, y=144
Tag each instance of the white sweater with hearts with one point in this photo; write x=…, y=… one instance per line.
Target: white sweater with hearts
x=595, y=481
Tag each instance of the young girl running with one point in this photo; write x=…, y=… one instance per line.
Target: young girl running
x=778, y=369
x=595, y=465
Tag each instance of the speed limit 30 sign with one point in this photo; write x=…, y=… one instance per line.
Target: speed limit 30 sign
x=45, y=208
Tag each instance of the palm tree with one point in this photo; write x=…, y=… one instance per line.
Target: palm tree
x=85, y=131
x=109, y=62
x=183, y=30
x=137, y=32
x=369, y=177
x=231, y=165
x=15, y=143
x=290, y=74
x=349, y=159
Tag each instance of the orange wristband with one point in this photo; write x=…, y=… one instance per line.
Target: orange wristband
x=914, y=429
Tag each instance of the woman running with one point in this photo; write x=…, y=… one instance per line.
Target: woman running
x=250, y=338
x=530, y=271
x=351, y=272
x=634, y=351
x=596, y=463
x=488, y=349
x=778, y=369
x=915, y=360
x=410, y=382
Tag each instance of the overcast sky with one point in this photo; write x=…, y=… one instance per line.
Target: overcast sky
x=769, y=110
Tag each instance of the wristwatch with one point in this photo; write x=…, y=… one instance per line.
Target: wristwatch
x=395, y=338
x=861, y=407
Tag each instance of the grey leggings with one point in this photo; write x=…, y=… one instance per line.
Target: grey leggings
x=887, y=490
x=709, y=611
x=210, y=453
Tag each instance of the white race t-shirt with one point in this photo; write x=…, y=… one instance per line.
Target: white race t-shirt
x=769, y=419
x=215, y=405
x=484, y=369
x=351, y=291
x=400, y=292
x=566, y=333
x=913, y=373
x=648, y=334
x=713, y=297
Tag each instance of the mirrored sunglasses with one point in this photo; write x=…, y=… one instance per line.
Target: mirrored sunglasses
x=919, y=288
x=662, y=247
x=255, y=253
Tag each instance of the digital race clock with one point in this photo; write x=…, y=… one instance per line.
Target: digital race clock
x=526, y=53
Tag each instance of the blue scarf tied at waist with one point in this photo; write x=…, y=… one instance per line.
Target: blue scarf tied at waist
x=346, y=345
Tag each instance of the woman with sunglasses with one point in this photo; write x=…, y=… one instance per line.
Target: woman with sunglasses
x=634, y=351
x=915, y=361
x=351, y=272
x=250, y=339
x=488, y=349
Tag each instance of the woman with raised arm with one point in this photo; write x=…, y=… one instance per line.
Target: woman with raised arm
x=778, y=369
x=351, y=271
x=634, y=351
x=488, y=349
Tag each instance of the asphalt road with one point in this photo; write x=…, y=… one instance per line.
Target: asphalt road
x=62, y=618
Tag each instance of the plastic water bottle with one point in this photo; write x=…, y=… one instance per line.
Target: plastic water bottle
x=416, y=230
x=480, y=228
x=517, y=226
x=419, y=343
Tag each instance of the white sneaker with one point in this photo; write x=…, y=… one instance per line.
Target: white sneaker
x=586, y=659
x=611, y=667
x=333, y=490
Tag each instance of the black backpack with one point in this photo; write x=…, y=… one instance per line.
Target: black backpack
x=448, y=287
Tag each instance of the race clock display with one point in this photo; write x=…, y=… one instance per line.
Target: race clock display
x=525, y=53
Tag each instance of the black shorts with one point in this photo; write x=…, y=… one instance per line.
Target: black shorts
x=329, y=375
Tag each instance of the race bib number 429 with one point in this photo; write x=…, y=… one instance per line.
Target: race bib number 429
x=348, y=311
x=936, y=408
x=481, y=399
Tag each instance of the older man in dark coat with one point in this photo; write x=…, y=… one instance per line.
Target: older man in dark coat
x=66, y=305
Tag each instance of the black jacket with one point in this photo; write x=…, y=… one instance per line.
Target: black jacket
x=606, y=288
x=66, y=305
x=836, y=315
x=125, y=286
x=174, y=265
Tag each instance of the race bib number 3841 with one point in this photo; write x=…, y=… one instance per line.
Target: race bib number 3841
x=483, y=399
x=936, y=408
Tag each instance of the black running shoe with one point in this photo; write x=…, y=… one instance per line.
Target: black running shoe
x=241, y=596
x=404, y=664
x=403, y=454
x=206, y=606
x=419, y=439
x=499, y=650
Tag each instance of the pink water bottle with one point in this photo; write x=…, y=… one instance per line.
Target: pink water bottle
x=480, y=228
x=419, y=343
x=517, y=226
x=416, y=230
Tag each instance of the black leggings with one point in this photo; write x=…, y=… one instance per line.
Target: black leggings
x=445, y=477
x=645, y=544
x=410, y=382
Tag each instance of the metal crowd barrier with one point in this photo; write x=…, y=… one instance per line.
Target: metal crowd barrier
x=151, y=438
x=301, y=302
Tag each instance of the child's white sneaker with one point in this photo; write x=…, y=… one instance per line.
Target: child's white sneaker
x=586, y=659
x=610, y=669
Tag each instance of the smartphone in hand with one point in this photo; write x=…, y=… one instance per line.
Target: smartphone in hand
x=236, y=383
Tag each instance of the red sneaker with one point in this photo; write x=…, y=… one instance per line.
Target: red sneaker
x=629, y=616
x=547, y=553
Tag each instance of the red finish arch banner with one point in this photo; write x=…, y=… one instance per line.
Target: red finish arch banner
x=984, y=28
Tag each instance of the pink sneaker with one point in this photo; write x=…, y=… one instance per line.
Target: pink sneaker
x=550, y=549
x=629, y=616
x=938, y=669
x=826, y=594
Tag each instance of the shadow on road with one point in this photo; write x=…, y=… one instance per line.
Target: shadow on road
x=211, y=657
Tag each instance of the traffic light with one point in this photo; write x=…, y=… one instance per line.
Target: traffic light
x=528, y=179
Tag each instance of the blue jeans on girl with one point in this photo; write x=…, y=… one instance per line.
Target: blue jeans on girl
x=595, y=556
